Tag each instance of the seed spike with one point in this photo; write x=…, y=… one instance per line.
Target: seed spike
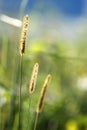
x=33, y=78
x=24, y=34
x=43, y=93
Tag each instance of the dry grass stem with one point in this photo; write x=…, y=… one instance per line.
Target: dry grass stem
x=43, y=93
x=33, y=78
x=24, y=34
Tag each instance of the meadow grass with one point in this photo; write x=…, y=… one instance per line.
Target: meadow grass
x=33, y=80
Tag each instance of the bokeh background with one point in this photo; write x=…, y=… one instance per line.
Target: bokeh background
x=57, y=40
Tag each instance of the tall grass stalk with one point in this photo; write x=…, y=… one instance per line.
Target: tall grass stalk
x=0, y=118
x=32, y=85
x=20, y=105
x=23, y=39
x=36, y=119
x=41, y=99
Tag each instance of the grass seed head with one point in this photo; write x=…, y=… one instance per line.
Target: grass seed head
x=43, y=93
x=33, y=78
x=24, y=34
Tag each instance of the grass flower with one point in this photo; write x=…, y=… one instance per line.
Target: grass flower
x=33, y=78
x=23, y=39
x=42, y=98
x=24, y=34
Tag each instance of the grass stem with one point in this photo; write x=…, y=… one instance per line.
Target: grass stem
x=20, y=105
x=36, y=119
x=29, y=104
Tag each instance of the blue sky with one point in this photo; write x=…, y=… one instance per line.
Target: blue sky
x=61, y=17
x=69, y=8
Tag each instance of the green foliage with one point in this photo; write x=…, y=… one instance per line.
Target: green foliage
x=65, y=100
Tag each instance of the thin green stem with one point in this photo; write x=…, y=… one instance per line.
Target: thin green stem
x=29, y=100
x=0, y=119
x=21, y=59
x=36, y=119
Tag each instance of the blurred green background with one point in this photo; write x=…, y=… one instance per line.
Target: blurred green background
x=57, y=40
